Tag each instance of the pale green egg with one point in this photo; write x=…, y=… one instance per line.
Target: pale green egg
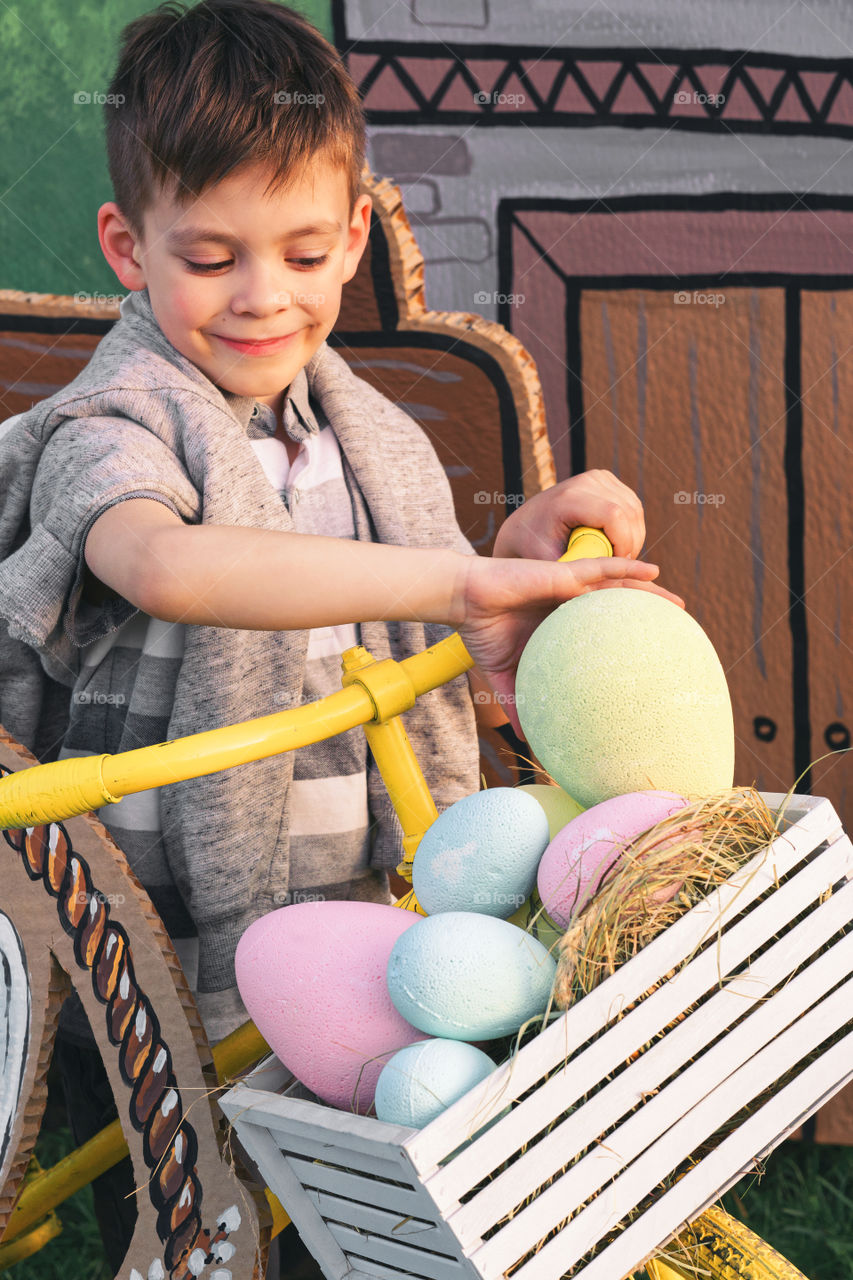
x=621, y=691
x=559, y=806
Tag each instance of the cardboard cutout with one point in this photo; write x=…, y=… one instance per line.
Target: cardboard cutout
x=74, y=915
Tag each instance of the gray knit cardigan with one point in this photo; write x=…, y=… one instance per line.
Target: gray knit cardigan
x=141, y=420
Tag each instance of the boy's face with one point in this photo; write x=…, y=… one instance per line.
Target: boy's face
x=276, y=273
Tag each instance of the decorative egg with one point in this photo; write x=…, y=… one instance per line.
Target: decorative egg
x=579, y=856
x=312, y=977
x=622, y=691
x=423, y=1079
x=532, y=917
x=469, y=976
x=481, y=854
x=559, y=806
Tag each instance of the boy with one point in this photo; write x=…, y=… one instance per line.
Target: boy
x=169, y=574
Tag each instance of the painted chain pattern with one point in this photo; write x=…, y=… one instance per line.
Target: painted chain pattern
x=101, y=945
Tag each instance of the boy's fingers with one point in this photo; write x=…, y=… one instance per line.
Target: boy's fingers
x=626, y=529
x=646, y=586
x=624, y=522
x=618, y=571
x=612, y=567
x=621, y=521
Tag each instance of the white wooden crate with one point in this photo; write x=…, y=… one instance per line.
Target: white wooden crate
x=375, y=1199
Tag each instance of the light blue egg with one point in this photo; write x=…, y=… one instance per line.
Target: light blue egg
x=469, y=976
x=423, y=1079
x=482, y=854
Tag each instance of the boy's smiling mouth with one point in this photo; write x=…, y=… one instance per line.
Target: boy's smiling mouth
x=256, y=346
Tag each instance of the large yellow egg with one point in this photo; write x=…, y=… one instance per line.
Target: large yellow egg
x=621, y=690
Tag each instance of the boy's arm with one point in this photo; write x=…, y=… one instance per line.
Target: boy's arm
x=260, y=579
x=263, y=580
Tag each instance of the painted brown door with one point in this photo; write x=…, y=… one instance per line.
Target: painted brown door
x=701, y=349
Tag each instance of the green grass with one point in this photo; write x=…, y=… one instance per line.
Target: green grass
x=802, y=1205
x=75, y=1254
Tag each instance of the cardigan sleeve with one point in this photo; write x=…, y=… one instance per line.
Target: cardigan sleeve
x=86, y=466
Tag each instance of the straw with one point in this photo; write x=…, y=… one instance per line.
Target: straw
x=657, y=878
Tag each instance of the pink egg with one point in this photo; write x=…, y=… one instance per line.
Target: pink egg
x=312, y=977
x=579, y=856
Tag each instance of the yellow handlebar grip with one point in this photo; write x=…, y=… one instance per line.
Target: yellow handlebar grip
x=29, y=797
x=585, y=543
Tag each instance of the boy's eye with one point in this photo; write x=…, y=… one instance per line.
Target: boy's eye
x=205, y=266
x=304, y=263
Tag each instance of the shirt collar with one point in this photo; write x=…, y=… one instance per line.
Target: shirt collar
x=297, y=415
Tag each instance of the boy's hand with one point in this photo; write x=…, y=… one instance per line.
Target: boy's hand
x=500, y=603
x=539, y=530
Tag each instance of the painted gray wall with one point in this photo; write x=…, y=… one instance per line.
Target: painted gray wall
x=823, y=28
x=461, y=255
x=452, y=177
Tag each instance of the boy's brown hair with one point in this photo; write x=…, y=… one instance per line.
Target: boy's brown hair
x=202, y=91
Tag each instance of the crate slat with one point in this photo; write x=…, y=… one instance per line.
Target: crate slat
x=331, y=1153
x=276, y=1172
x=761, y=1131
x=637, y=1028
x=821, y=1090
x=722, y=1101
x=353, y=1186
x=396, y=1226
x=438, y=1139
x=418, y=1262
x=321, y=1141
x=317, y=1122
x=800, y=808
x=683, y=1043
x=370, y=1269
x=272, y=1076
x=682, y=1097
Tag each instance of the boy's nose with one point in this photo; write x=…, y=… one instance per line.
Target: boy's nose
x=261, y=296
x=261, y=304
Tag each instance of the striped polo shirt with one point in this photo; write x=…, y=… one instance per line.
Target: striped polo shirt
x=327, y=804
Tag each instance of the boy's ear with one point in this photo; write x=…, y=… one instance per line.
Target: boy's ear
x=359, y=230
x=119, y=246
